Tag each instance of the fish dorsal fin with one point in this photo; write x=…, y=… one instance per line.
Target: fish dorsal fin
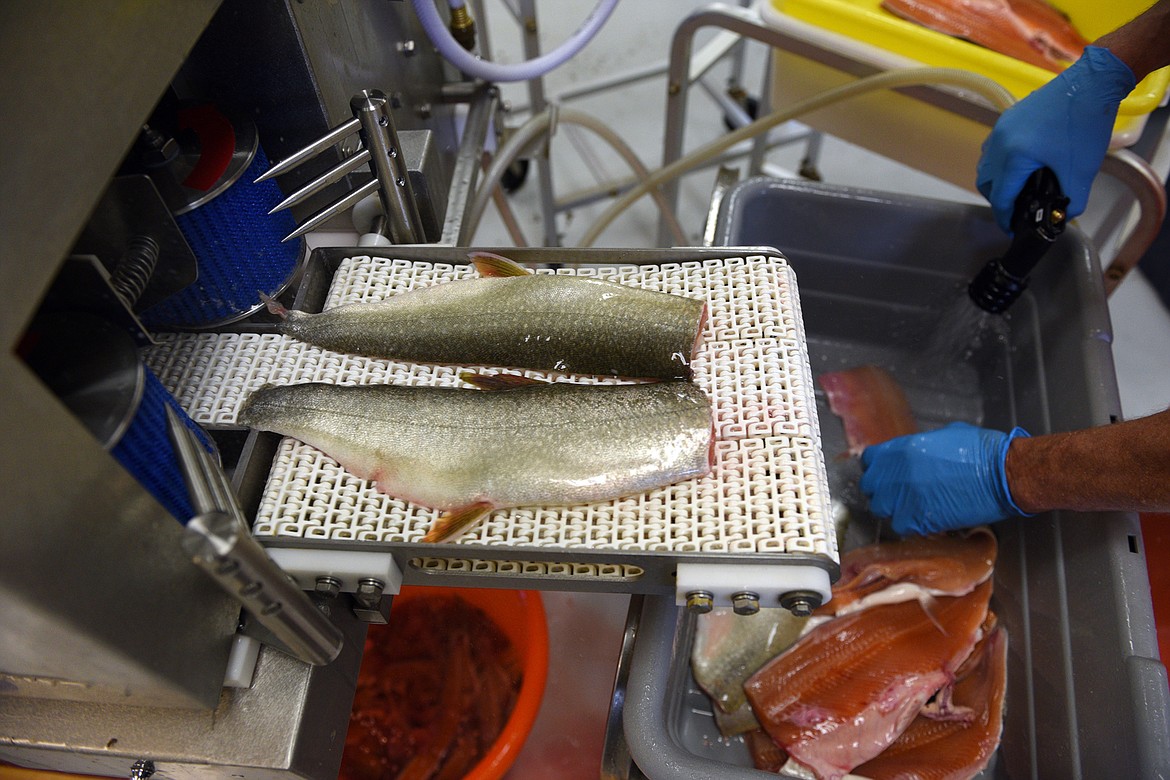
x=498, y=382
x=489, y=264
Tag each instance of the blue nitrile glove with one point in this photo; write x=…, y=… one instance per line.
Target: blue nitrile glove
x=949, y=478
x=1065, y=125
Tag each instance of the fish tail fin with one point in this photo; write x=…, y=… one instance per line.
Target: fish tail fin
x=489, y=264
x=274, y=306
x=451, y=523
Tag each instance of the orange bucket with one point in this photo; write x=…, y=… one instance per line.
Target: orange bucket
x=520, y=616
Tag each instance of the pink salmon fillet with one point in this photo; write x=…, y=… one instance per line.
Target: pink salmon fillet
x=871, y=405
x=1028, y=30
x=846, y=691
x=956, y=748
x=913, y=568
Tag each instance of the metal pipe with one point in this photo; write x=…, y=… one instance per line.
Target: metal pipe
x=218, y=541
x=1150, y=193
x=379, y=136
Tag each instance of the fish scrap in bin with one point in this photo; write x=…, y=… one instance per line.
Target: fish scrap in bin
x=1028, y=30
x=915, y=568
x=730, y=648
x=517, y=319
x=844, y=692
x=871, y=405
x=469, y=452
x=958, y=746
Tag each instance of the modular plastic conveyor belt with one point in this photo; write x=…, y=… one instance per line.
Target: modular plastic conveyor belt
x=765, y=502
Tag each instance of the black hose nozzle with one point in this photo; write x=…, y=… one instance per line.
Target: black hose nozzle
x=1038, y=220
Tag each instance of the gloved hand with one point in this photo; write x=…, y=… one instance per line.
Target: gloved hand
x=949, y=478
x=1065, y=125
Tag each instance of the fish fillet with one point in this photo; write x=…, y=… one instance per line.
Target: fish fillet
x=730, y=648
x=958, y=748
x=1028, y=30
x=848, y=688
x=871, y=405
x=471, y=451
x=571, y=324
x=913, y=568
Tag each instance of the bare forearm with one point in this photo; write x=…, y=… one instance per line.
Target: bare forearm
x=1125, y=467
x=1144, y=43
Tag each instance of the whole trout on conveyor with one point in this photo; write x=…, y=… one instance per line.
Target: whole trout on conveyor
x=512, y=317
x=471, y=451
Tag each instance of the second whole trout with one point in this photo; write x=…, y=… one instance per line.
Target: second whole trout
x=518, y=319
x=471, y=451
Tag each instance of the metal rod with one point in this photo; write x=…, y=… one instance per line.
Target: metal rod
x=335, y=208
x=190, y=454
x=349, y=127
x=236, y=561
x=1150, y=193
x=387, y=161
x=217, y=540
x=324, y=180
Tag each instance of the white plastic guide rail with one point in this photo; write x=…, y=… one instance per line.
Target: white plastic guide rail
x=765, y=502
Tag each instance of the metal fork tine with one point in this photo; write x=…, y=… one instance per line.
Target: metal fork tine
x=333, y=209
x=324, y=180
x=348, y=127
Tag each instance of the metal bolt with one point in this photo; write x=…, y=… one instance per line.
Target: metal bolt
x=801, y=603
x=369, y=592
x=700, y=602
x=142, y=769
x=745, y=603
x=406, y=47
x=327, y=586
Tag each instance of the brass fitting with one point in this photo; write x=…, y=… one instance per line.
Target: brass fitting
x=463, y=27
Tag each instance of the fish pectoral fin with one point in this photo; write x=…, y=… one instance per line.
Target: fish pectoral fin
x=274, y=306
x=489, y=264
x=497, y=382
x=451, y=523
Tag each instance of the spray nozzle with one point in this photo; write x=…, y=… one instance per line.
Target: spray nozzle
x=1038, y=220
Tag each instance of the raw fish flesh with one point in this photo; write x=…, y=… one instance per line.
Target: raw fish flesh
x=914, y=568
x=472, y=451
x=871, y=405
x=514, y=318
x=848, y=688
x=730, y=648
x=958, y=748
x=1028, y=30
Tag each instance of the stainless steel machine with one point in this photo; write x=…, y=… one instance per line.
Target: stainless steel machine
x=114, y=646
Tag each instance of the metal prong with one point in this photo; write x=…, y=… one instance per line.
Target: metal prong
x=348, y=127
x=324, y=180
x=204, y=496
x=332, y=210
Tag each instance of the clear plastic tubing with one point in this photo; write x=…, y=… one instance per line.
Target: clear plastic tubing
x=467, y=62
x=995, y=94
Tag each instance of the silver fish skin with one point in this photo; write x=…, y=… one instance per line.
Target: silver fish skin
x=541, y=444
x=539, y=321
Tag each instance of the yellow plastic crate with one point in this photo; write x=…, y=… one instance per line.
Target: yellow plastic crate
x=865, y=21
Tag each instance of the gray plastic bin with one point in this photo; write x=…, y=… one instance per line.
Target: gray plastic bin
x=877, y=273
